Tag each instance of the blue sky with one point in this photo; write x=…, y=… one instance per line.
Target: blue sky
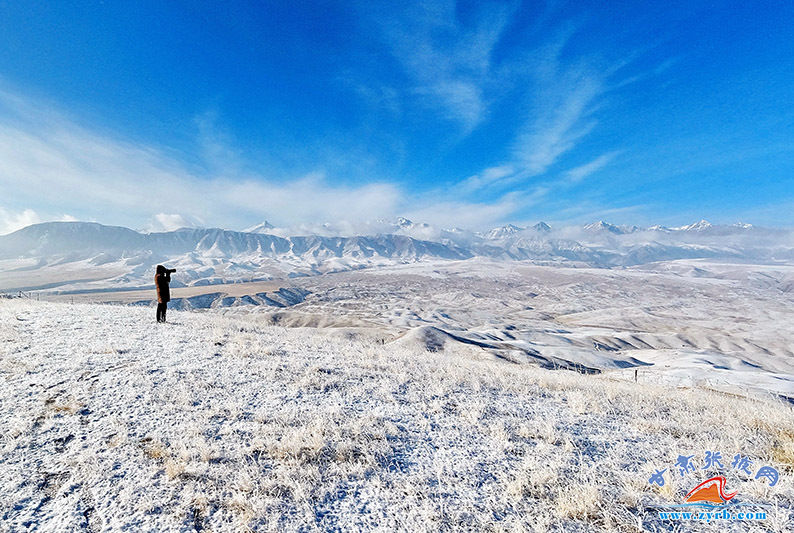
x=461, y=114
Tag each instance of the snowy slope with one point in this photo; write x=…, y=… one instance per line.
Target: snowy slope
x=111, y=422
x=720, y=325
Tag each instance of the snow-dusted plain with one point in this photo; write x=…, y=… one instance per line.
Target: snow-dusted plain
x=715, y=324
x=225, y=423
x=720, y=325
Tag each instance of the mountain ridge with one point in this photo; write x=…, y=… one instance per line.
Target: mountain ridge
x=125, y=257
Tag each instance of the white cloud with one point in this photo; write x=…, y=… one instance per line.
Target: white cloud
x=562, y=98
x=11, y=221
x=169, y=222
x=463, y=214
x=448, y=62
x=588, y=212
x=52, y=163
x=215, y=144
x=486, y=177
x=554, y=132
x=577, y=174
x=472, y=215
x=566, y=94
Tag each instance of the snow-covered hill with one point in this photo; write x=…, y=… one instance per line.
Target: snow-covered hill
x=58, y=253
x=110, y=422
x=90, y=256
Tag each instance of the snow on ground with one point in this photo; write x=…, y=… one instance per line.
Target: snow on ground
x=716, y=325
x=112, y=422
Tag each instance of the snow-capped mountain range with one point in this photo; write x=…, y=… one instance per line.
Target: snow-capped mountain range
x=88, y=256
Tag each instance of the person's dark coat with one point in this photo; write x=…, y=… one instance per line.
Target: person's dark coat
x=161, y=281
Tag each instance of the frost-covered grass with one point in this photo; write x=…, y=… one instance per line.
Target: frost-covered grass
x=110, y=421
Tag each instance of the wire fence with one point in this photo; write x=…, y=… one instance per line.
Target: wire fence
x=21, y=294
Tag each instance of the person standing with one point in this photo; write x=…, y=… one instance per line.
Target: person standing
x=162, y=279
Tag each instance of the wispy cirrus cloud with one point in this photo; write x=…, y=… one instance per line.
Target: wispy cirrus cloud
x=555, y=93
x=553, y=96
x=487, y=177
x=562, y=97
x=577, y=174
x=448, y=62
x=561, y=122
x=566, y=93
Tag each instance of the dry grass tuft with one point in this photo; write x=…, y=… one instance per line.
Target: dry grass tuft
x=156, y=450
x=174, y=468
x=579, y=502
x=783, y=450
x=69, y=407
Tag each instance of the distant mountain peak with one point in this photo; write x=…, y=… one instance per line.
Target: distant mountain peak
x=606, y=227
x=542, y=227
x=508, y=230
x=264, y=227
x=601, y=226
x=659, y=227
x=700, y=225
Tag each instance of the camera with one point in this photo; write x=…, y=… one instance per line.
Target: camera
x=172, y=270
